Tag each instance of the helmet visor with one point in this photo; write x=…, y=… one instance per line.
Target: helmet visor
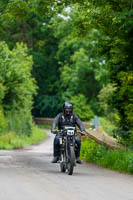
x=68, y=111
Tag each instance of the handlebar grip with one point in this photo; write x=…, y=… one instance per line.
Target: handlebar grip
x=54, y=131
x=82, y=133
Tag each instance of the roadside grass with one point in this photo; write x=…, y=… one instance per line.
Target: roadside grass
x=13, y=141
x=44, y=126
x=119, y=159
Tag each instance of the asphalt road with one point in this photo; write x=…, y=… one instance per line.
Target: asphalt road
x=28, y=174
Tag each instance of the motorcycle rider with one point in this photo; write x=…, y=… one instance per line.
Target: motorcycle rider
x=67, y=118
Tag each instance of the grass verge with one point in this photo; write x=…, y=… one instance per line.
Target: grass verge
x=44, y=126
x=13, y=141
x=119, y=160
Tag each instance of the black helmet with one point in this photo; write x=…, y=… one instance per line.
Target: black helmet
x=68, y=107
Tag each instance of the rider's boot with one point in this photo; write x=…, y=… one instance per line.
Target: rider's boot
x=78, y=160
x=55, y=159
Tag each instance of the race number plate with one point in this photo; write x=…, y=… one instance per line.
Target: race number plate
x=70, y=132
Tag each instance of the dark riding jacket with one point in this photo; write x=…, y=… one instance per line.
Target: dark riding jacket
x=61, y=120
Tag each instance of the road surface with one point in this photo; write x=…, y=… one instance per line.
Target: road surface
x=28, y=174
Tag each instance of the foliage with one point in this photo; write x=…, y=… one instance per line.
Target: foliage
x=113, y=19
x=55, y=47
x=87, y=50
x=31, y=27
x=16, y=81
x=17, y=87
x=125, y=130
x=19, y=122
x=107, y=125
x=82, y=69
x=105, y=97
x=46, y=72
x=44, y=126
x=82, y=109
x=13, y=141
x=48, y=106
x=3, y=122
x=120, y=160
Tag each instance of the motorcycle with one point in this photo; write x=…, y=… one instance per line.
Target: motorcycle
x=67, y=158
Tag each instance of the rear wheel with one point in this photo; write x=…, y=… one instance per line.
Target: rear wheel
x=71, y=163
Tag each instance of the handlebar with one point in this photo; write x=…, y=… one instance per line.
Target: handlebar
x=56, y=132
x=59, y=132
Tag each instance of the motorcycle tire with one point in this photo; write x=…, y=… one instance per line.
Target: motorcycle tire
x=71, y=163
x=62, y=163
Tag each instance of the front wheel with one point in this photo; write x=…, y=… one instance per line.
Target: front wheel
x=70, y=164
x=63, y=163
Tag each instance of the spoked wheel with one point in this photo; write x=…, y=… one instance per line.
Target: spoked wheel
x=62, y=163
x=71, y=163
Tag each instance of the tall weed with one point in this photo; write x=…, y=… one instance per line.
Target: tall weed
x=13, y=141
x=119, y=159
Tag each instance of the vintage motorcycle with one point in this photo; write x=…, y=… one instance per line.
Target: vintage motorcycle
x=67, y=149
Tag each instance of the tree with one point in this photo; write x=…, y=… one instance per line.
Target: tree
x=17, y=88
x=114, y=20
x=82, y=69
x=31, y=27
x=81, y=108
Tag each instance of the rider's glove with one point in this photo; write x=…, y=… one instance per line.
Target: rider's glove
x=54, y=131
x=83, y=133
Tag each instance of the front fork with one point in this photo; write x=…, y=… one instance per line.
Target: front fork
x=62, y=150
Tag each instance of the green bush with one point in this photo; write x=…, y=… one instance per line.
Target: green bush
x=3, y=122
x=19, y=122
x=104, y=97
x=107, y=125
x=12, y=141
x=120, y=160
x=123, y=102
x=17, y=88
